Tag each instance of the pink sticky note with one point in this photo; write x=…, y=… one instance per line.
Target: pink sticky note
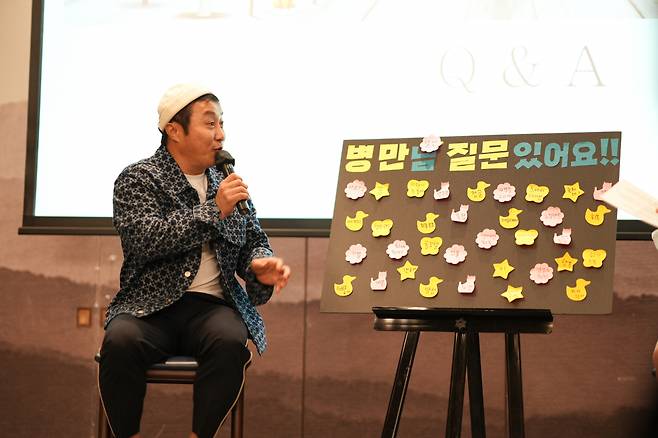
x=397, y=249
x=552, y=216
x=356, y=189
x=355, y=254
x=431, y=143
x=504, y=192
x=598, y=193
x=443, y=192
x=541, y=273
x=564, y=238
x=468, y=287
x=461, y=215
x=455, y=254
x=487, y=238
x=378, y=283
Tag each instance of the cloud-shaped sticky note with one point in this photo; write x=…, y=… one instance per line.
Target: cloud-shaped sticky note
x=431, y=143
x=356, y=189
x=355, y=223
x=381, y=228
x=430, y=245
x=504, y=192
x=356, y=253
x=417, y=188
x=397, y=249
x=535, y=193
x=552, y=216
x=593, y=258
x=487, y=238
x=525, y=237
x=455, y=254
x=541, y=273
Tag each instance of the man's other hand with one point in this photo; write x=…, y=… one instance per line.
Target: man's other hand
x=271, y=271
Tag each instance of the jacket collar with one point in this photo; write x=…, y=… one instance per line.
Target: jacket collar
x=176, y=183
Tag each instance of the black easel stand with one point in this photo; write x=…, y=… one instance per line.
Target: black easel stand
x=467, y=324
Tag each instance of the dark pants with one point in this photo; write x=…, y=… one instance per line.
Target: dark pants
x=197, y=325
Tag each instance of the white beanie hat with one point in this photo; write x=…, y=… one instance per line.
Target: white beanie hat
x=175, y=99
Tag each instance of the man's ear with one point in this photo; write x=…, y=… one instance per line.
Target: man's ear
x=174, y=131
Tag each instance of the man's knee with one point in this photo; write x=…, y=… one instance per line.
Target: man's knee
x=121, y=336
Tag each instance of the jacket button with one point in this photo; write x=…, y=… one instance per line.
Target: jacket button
x=140, y=312
x=187, y=274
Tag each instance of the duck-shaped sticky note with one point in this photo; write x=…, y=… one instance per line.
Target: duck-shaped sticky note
x=380, y=190
x=566, y=262
x=468, y=286
x=541, y=273
x=455, y=254
x=461, y=215
x=380, y=282
x=478, y=193
x=430, y=245
x=597, y=217
x=356, y=189
x=502, y=269
x=381, y=228
x=525, y=237
x=345, y=288
x=443, y=192
x=504, y=192
x=552, y=216
x=564, y=238
x=428, y=225
x=579, y=291
x=513, y=293
x=572, y=191
x=593, y=258
x=408, y=270
x=431, y=289
x=355, y=223
x=536, y=193
x=511, y=220
x=598, y=193
x=417, y=188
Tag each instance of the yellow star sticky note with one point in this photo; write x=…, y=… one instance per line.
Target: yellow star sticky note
x=513, y=293
x=407, y=271
x=380, y=190
x=572, y=191
x=502, y=269
x=566, y=262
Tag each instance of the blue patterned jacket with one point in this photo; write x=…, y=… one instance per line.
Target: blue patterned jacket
x=162, y=227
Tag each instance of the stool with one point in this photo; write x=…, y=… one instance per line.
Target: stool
x=176, y=369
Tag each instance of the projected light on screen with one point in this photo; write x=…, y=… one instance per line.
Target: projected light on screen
x=297, y=78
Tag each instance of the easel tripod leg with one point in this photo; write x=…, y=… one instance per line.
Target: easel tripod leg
x=457, y=381
x=514, y=386
x=402, y=375
x=475, y=398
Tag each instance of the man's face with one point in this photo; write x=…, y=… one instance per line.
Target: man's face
x=205, y=135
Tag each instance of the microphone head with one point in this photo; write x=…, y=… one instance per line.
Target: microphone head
x=223, y=157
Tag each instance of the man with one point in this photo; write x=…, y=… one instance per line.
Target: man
x=183, y=242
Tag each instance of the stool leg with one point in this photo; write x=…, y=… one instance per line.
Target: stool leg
x=237, y=415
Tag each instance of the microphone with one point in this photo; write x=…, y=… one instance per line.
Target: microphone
x=224, y=163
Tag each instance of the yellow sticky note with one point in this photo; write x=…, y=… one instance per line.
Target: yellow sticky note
x=535, y=193
x=593, y=258
x=381, y=228
x=431, y=289
x=417, y=188
x=511, y=220
x=513, y=293
x=428, y=225
x=578, y=292
x=525, y=237
x=355, y=223
x=407, y=270
x=430, y=245
x=345, y=288
x=502, y=269
x=566, y=262
x=478, y=193
x=597, y=217
x=380, y=190
x=572, y=191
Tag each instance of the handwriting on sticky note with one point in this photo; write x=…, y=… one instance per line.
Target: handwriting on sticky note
x=356, y=253
x=430, y=245
x=381, y=228
x=397, y=249
x=356, y=189
x=535, y=193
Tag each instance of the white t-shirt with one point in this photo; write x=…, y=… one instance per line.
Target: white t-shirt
x=207, y=278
